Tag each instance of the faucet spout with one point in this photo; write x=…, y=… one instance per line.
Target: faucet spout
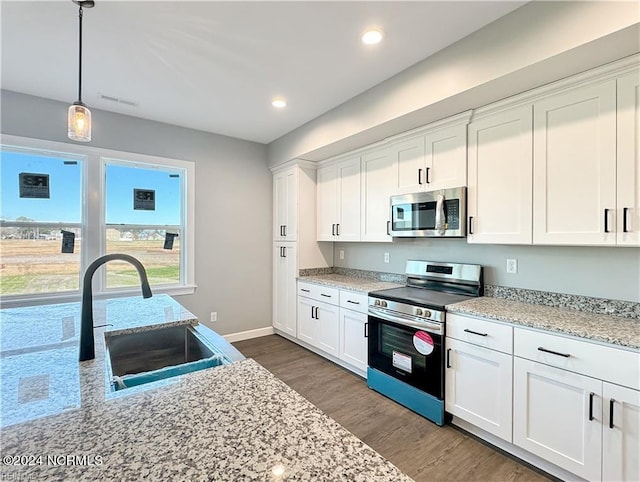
x=87, y=347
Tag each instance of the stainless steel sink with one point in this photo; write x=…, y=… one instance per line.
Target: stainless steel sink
x=143, y=357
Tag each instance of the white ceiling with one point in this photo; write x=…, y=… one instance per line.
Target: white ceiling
x=215, y=66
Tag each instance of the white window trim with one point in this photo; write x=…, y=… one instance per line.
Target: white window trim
x=93, y=206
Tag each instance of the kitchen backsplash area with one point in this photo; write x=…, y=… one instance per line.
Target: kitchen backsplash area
x=560, y=270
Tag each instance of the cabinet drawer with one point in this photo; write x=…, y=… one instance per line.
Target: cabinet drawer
x=480, y=332
x=607, y=363
x=317, y=292
x=354, y=301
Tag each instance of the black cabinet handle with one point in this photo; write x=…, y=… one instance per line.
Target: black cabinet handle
x=420, y=176
x=305, y=290
x=317, y=316
x=566, y=355
x=606, y=220
x=448, y=358
x=353, y=302
x=388, y=228
x=284, y=230
x=338, y=229
x=470, y=224
x=427, y=175
x=624, y=220
x=366, y=330
x=313, y=317
x=333, y=230
x=591, y=405
x=326, y=296
x=611, y=404
x=475, y=332
x=284, y=252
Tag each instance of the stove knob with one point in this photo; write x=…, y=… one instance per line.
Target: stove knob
x=418, y=311
x=377, y=303
x=384, y=304
x=427, y=313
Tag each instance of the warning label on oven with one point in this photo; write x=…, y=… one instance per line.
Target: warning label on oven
x=423, y=342
x=402, y=361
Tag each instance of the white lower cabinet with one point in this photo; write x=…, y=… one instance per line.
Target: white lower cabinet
x=284, y=287
x=318, y=324
x=621, y=433
x=557, y=415
x=353, y=338
x=478, y=386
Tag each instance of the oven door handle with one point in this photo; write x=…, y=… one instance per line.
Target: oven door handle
x=436, y=328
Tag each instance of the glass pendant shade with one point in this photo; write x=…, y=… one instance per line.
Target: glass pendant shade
x=79, y=123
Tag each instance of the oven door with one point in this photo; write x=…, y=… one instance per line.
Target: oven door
x=408, y=350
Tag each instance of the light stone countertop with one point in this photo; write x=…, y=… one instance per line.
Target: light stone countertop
x=351, y=283
x=616, y=330
x=230, y=423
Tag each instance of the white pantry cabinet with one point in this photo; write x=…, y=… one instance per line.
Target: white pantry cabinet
x=499, y=193
x=574, y=166
x=338, y=194
x=284, y=287
x=478, y=378
x=378, y=184
x=434, y=157
x=628, y=167
x=285, y=198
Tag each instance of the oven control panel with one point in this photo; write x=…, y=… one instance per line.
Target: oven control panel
x=407, y=309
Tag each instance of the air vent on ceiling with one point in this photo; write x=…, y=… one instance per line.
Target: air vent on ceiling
x=110, y=98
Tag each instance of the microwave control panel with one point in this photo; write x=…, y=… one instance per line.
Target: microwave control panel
x=452, y=212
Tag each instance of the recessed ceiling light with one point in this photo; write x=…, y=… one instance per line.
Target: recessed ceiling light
x=279, y=102
x=372, y=36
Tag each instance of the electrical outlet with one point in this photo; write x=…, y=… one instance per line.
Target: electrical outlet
x=214, y=316
x=342, y=254
x=386, y=257
x=512, y=265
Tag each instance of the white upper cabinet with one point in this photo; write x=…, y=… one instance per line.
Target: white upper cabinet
x=285, y=209
x=339, y=201
x=574, y=166
x=628, y=168
x=434, y=159
x=378, y=185
x=499, y=193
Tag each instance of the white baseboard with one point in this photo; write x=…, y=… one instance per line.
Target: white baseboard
x=247, y=335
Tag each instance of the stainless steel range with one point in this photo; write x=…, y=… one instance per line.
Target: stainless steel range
x=407, y=330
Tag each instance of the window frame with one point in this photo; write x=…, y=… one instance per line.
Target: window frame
x=93, y=224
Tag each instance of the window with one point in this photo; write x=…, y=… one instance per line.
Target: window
x=62, y=206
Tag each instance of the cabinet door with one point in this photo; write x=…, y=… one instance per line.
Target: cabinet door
x=328, y=323
x=409, y=158
x=628, y=167
x=291, y=203
x=348, y=178
x=479, y=387
x=280, y=205
x=621, y=439
x=378, y=185
x=327, y=197
x=446, y=156
x=284, y=288
x=499, y=194
x=307, y=328
x=557, y=415
x=574, y=166
x=353, y=338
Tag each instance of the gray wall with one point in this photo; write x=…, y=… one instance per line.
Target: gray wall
x=590, y=271
x=233, y=252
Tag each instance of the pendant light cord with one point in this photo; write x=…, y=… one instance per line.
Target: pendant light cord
x=80, y=56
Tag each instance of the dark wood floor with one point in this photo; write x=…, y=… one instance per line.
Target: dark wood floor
x=416, y=446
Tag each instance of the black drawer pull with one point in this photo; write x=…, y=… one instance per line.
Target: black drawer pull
x=448, y=358
x=326, y=296
x=353, y=302
x=611, y=404
x=591, y=405
x=475, y=332
x=566, y=355
x=305, y=290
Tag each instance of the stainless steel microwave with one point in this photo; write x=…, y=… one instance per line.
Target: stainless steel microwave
x=440, y=213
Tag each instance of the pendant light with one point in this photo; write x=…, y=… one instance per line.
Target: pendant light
x=79, y=116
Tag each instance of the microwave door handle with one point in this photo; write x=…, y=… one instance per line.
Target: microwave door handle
x=440, y=217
